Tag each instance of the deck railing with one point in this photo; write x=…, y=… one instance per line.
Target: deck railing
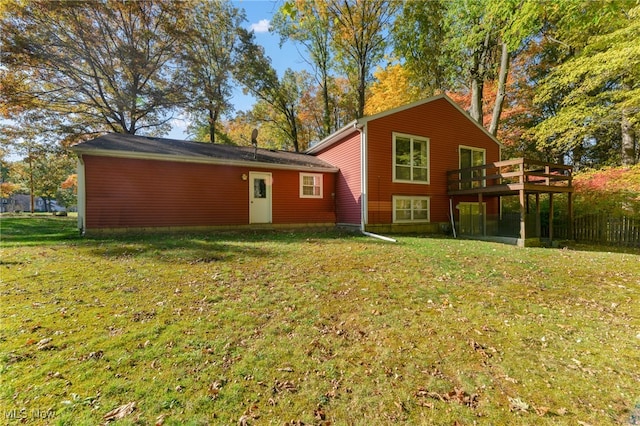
x=518, y=173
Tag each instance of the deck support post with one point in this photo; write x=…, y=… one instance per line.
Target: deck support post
x=523, y=214
x=550, y=217
x=538, y=224
x=483, y=231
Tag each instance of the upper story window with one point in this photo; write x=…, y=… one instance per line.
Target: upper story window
x=310, y=185
x=410, y=158
x=472, y=157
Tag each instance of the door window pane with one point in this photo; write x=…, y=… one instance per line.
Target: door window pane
x=470, y=157
x=259, y=188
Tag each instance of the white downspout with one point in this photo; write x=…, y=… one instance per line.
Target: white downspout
x=381, y=237
x=363, y=176
x=82, y=200
x=364, y=193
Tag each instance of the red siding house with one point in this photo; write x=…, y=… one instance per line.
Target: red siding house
x=393, y=166
x=382, y=173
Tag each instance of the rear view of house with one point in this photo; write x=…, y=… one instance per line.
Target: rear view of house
x=423, y=167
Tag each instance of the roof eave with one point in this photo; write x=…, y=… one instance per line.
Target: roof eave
x=334, y=137
x=359, y=123
x=365, y=120
x=200, y=160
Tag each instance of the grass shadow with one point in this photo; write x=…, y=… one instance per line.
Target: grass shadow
x=37, y=230
x=190, y=247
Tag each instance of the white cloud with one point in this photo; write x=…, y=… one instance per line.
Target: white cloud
x=260, y=27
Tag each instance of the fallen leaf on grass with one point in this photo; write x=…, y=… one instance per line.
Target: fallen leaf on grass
x=541, y=411
x=214, y=389
x=426, y=404
x=482, y=350
x=120, y=412
x=319, y=413
x=45, y=344
x=250, y=414
x=279, y=386
x=517, y=404
x=456, y=395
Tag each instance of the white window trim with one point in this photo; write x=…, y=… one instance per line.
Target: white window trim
x=404, y=135
x=411, y=197
x=473, y=148
x=317, y=178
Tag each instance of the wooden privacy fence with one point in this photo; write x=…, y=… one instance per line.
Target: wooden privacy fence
x=607, y=230
x=597, y=228
x=594, y=228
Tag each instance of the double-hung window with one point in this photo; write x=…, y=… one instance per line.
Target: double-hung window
x=310, y=185
x=410, y=158
x=410, y=209
x=471, y=157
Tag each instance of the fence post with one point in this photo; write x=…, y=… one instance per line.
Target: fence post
x=570, y=212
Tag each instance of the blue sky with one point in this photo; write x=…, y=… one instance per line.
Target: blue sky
x=259, y=14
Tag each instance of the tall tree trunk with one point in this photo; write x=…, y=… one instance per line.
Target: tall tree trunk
x=32, y=201
x=501, y=93
x=213, y=118
x=290, y=113
x=629, y=144
x=362, y=88
x=477, y=87
x=326, y=118
x=478, y=71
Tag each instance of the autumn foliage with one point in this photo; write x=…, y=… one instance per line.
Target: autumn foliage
x=612, y=190
x=71, y=183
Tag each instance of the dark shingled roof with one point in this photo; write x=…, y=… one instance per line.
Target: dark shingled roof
x=123, y=144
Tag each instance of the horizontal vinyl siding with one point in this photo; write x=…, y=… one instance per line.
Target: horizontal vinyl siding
x=345, y=155
x=123, y=193
x=447, y=129
x=288, y=207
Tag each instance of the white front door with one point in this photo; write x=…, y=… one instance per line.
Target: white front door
x=259, y=197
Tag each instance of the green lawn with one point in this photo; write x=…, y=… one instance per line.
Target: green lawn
x=313, y=328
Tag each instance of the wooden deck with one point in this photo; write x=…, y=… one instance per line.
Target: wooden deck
x=521, y=177
x=509, y=177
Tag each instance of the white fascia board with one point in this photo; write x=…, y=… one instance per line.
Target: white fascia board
x=364, y=120
x=199, y=160
x=333, y=138
x=478, y=125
